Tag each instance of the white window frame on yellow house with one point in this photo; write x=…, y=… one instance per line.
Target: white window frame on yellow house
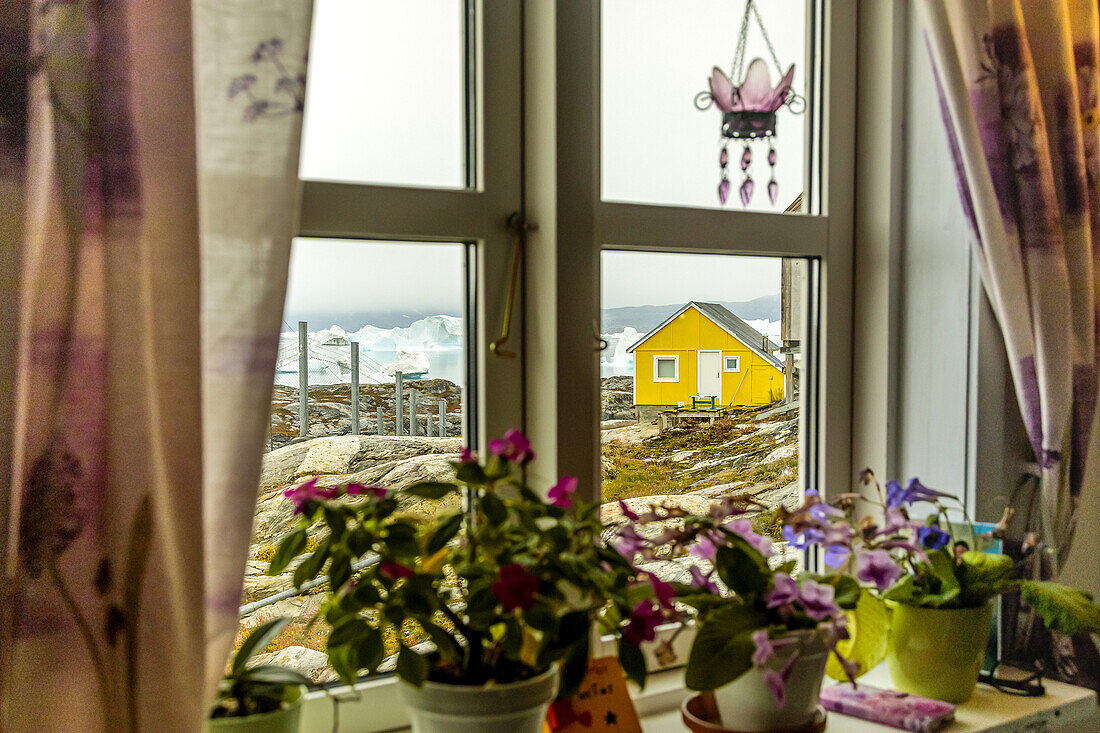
x=726, y=363
x=675, y=368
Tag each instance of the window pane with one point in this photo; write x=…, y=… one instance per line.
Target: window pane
x=666, y=368
x=386, y=99
x=403, y=305
x=666, y=441
x=658, y=147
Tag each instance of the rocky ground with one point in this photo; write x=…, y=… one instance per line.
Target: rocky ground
x=751, y=453
x=330, y=408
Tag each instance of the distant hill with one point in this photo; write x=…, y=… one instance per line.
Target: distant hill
x=353, y=321
x=645, y=318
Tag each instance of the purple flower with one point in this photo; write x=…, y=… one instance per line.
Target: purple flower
x=561, y=493
x=632, y=516
x=820, y=511
x=932, y=538
x=895, y=521
x=664, y=591
x=818, y=600
x=630, y=542
x=378, y=492
x=728, y=506
x=763, y=648
x=468, y=456
x=801, y=539
x=743, y=529
x=643, y=623
x=704, y=548
x=307, y=492
x=878, y=567
x=914, y=491
x=699, y=580
x=835, y=555
x=774, y=681
x=784, y=590
x=514, y=446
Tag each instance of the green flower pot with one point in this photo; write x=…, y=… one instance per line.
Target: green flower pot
x=935, y=652
x=284, y=720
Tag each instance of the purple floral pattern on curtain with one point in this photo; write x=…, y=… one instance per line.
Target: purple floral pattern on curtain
x=1017, y=84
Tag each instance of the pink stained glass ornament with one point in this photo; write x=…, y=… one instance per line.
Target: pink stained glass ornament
x=724, y=158
x=771, y=157
x=746, y=158
x=746, y=190
x=773, y=190
x=724, y=190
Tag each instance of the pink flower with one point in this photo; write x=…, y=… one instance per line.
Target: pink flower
x=307, y=492
x=468, y=456
x=818, y=600
x=699, y=580
x=743, y=528
x=704, y=548
x=514, y=446
x=728, y=506
x=378, y=492
x=664, y=591
x=762, y=648
x=632, y=516
x=630, y=542
x=561, y=493
x=515, y=587
x=394, y=570
x=774, y=681
x=643, y=623
x=878, y=567
x=784, y=591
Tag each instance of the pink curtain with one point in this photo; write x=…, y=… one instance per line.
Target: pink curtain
x=140, y=400
x=1018, y=89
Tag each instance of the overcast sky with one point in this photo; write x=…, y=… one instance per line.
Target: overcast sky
x=385, y=104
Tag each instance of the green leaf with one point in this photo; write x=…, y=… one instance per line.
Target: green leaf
x=311, y=566
x=572, y=627
x=274, y=674
x=339, y=572
x=418, y=596
x=445, y=643
x=738, y=568
x=345, y=661
x=291, y=547
x=943, y=567
x=348, y=632
x=1063, y=609
x=722, y=650
x=494, y=508
x=371, y=649
x=358, y=542
x=540, y=617
x=336, y=521
x=513, y=637
x=847, y=589
x=574, y=668
x=983, y=575
x=444, y=532
x=633, y=662
x=470, y=473
x=366, y=593
x=434, y=490
x=256, y=642
x=401, y=540
x=411, y=667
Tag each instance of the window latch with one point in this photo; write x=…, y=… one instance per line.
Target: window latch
x=519, y=227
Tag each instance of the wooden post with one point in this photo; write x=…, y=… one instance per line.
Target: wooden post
x=412, y=412
x=381, y=428
x=303, y=379
x=354, y=387
x=399, y=404
x=442, y=418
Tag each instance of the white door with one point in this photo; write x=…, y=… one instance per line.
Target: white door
x=710, y=374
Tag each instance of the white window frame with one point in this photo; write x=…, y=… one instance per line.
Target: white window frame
x=726, y=363
x=675, y=368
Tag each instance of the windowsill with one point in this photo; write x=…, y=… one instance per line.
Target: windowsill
x=1064, y=707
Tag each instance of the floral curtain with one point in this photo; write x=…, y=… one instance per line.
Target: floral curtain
x=154, y=235
x=1018, y=89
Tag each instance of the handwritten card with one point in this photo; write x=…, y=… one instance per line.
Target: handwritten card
x=601, y=704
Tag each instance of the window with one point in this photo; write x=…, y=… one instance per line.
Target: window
x=733, y=363
x=666, y=368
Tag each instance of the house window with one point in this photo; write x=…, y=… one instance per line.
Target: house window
x=666, y=369
x=733, y=364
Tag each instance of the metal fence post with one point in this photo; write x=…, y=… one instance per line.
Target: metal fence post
x=399, y=404
x=303, y=379
x=442, y=418
x=354, y=387
x=412, y=412
x=381, y=428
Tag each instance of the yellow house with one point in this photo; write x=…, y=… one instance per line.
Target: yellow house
x=704, y=350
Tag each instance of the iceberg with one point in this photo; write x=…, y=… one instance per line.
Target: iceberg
x=407, y=362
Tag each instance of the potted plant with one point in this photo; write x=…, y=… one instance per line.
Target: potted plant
x=941, y=604
x=262, y=698
x=507, y=590
x=763, y=636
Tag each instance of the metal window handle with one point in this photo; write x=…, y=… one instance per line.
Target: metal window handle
x=519, y=227
x=601, y=342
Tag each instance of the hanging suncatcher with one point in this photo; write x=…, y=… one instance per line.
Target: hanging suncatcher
x=749, y=109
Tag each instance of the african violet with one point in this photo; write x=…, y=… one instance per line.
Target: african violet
x=504, y=590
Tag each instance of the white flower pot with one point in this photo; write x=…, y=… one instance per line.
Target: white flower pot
x=746, y=704
x=517, y=707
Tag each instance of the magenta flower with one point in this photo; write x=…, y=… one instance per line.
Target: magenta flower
x=468, y=456
x=784, y=590
x=643, y=623
x=878, y=567
x=561, y=493
x=818, y=600
x=394, y=570
x=632, y=516
x=704, y=548
x=630, y=542
x=743, y=529
x=514, y=446
x=307, y=492
x=664, y=591
x=699, y=580
x=377, y=492
x=515, y=587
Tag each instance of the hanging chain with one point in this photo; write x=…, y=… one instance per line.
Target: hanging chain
x=739, y=54
x=767, y=40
